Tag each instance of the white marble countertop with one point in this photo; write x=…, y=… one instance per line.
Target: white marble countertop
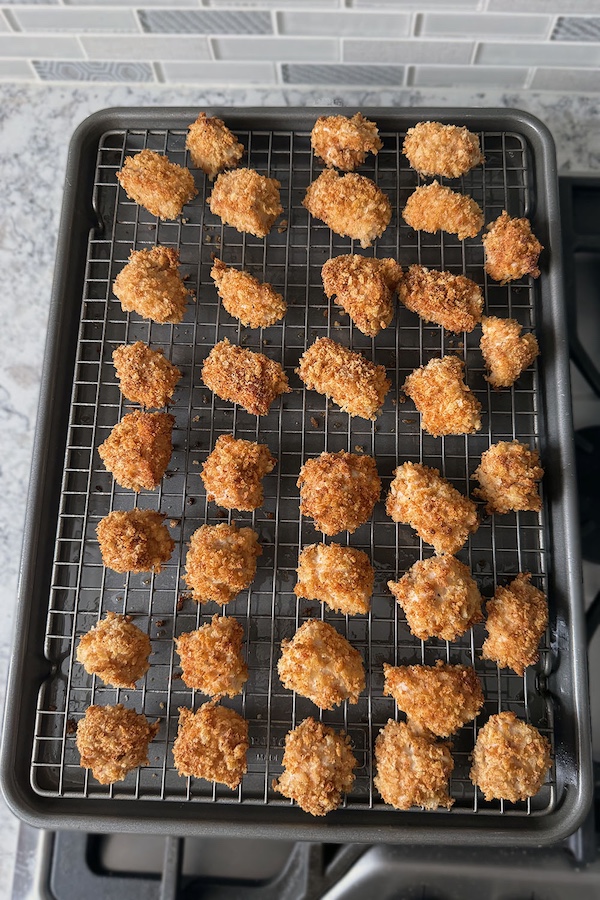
x=36, y=123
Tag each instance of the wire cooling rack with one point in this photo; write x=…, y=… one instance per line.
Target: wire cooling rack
x=300, y=425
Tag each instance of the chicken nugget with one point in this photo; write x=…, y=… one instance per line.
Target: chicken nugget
x=212, y=146
x=439, y=699
x=517, y=617
x=145, y=376
x=245, y=298
x=364, y=287
x=446, y=403
x=511, y=249
x=440, y=515
x=435, y=149
x=246, y=200
x=138, y=449
x=434, y=207
x=505, y=351
x=160, y=186
x=508, y=475
x=351, y=205
x=344, y=142
x=318, y=765
x=211, y=658
x=511, y=759
x=221, y=562
x=358, y=386
x=212, y=744
x=116, y=651
x=452, y=301
x=245, y=377
x=134, y=540
x=113, y=740
x=233, y=473
x=439, y=597
x=412, y=769
x=320, y=664
x=150, y=285
x=341, y=577
x=339, y=490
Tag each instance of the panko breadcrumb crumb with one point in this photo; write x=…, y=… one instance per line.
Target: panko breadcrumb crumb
x=320, y=664
x=440, y=515
x=160, y=186
x=511, y=249
x=435, y=149
x=511, y=759
x=351, y=205
x=116, y=651
x=452, y=301
x=446, y=403
x=412, y=769
x=145, y=376
x=211, y=658
x=434, y=207
x=516, y=620
x=150, y=285
x=341, y=577
x=344, y=142
x=113, y=740
x=339, y=490
x=212, y=744
x=246, y=200
x=138, y=449
x=233, y=473
x=318, y=767
x=212, y=146
x=220, y=562
x=255, y=304
x=364, y=287
x=508, y=475
x=506, y=352
x=245, y=377
x=134, y=540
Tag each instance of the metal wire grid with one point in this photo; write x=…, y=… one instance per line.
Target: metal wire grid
x=300, y=425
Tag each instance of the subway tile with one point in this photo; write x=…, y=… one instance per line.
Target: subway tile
x=467, y=76
x=543, y=6
x=106, y=3
x=30, y=2
x=548, y=54
x=77, y=20
x=277, y=4
x=415, y=4
x=405, y=52
x=369, y=76
x=566, y=80
x=145, y=47
x=577, y=28
x=231, y=21
x=86, y=70
x=29, y=47
x=283, y=49
x=343, y=24
x=219, y=72
x=16, y=70
x=483, y=25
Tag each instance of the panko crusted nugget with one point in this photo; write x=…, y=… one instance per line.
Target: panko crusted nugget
x=341, y=577
x=245, y=377
x=351, y=205
x=452, y=301
x=245, y=298
x=434, y=207
x=440, y=515
x=516, y=620
x=113, y=740
x=320, y=664
x=511, y=249
x=344, y=141
x=508, y=476
x=246, y=200
x=358, y=386
x=145, y=376
x=339, y=490
x=138, y=449
x=506, y=352
x=220, y=562
x=160, y=186
x=435, y=149
x=134, y=540
x=115, y=650
x=511, y=759
x=212, y=744
x=318, y=765
x=412, y=769
x=446, y=403
x=233, y=473
x=211, y=658
x=150, y=285
x=212, y=146
x=364, y=287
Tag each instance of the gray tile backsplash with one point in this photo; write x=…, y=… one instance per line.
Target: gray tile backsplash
x=413, y=51
x=86, y=70
x=196, y=21
x=353, y=24
x=577, y=28
x=76, y=21
x=369, y=76
x=483, y=25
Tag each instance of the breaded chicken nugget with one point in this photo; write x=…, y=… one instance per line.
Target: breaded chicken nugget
x=341, y=577
x=339, y=490
x=439, y=598
x=150, y=285
x=440, y=515
x=113, y=740
x=435, y=149
x=145, y=376
x=318, y=767
x=452, y=301
x=211, y=658
x=510, y=759
x=134, y=540
x=412, y=769
x=440, y=699
x=364, y=287
x=511, y=249
x=445, y=402
x=516, y=620
x=245, y=298
x=434, y=208
x=160, y=186
x=351, y=205
x=344, y=142
x=358, y=386
x=212, y=744
x=508, y=474
x=212, y=146
x=246, y=200
x=320, y=664
x=138, y=449
x=245, y=377
x=506, y=352
x=116, y=651
x=233, y=473
x=221, y=562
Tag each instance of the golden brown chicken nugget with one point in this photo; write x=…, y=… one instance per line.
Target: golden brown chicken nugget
x=351, y=205
x=517, y=617
x=511, y=759
x=138, y=449
x=233, y=473
x=505, y=350
x=341, y=577
x=246, y=200
x=212, y=146
x=435, y=149
x=245, y=298
x=212, y=744
x=160, y=186
x=511, y=249
x=221, y=562
x=412, y=769
x=145, y=376
x=452, y=301
x=245, y=377
x=113, y=740
x=211, y=658
x=134, y=540
x=150, y=285
x=446, y=403
x=116, y=651
x=364, y=287
x=339, y=490
x=344, y=141
x=508, y=475
x=434, y=208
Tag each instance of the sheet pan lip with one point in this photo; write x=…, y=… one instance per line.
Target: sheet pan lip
x=39, y=811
